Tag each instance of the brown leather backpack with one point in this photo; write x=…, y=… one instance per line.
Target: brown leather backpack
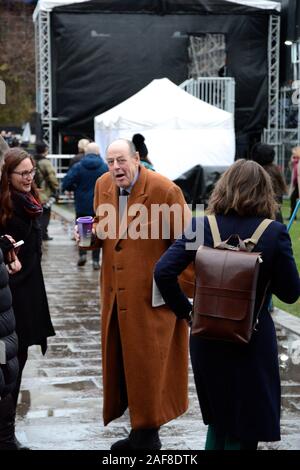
x=225, y=289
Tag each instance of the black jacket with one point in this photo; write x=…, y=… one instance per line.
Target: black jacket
x=81, y=178
x=30, y=304
x=8, y=371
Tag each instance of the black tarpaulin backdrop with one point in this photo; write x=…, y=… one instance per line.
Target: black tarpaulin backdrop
x=104, y=52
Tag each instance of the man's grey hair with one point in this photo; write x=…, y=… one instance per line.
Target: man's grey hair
x=131, y=146
x=82, y=143
x=92, y=147
x=3, y=148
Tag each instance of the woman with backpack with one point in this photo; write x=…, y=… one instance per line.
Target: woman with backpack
x=238, y=385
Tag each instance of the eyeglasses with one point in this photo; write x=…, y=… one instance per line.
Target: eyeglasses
x=25, y=174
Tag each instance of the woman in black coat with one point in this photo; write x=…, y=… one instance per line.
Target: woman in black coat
x=8, y=338
x=8, y=353
x=238, y=386
x=19, y=212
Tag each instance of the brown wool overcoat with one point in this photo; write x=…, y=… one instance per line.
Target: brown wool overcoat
x=154, y=342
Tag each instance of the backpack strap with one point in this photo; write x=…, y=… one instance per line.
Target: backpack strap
x=214, y=230
x=252, y=241
x=257, y=234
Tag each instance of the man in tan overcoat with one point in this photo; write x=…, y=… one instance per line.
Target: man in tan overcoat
x=144, y=348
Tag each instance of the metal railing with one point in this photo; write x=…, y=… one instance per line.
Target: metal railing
x=217, y=91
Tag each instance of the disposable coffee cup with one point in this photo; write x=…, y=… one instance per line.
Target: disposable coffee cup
x=85, y=226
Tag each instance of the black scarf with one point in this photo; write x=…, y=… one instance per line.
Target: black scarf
x=27, y=201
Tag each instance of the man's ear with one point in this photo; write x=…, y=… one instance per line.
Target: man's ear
x=137, y=157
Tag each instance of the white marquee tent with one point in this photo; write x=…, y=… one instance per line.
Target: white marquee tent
x=181, y=131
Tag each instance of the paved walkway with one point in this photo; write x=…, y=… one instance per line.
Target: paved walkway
x=61, y=396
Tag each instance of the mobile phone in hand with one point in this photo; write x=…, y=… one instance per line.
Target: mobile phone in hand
x=19, y=243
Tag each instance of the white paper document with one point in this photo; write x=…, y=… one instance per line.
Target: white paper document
x=157, y=299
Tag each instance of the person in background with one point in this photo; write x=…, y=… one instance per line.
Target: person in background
x=81, y=179
x=9, y=138
x=238, y=385
x=9, y=366
x=82, y=144
x=20, y=209
x=264, y=155
x=295, y=178
x=3, y=148
x=139, y=143
x=47, y=183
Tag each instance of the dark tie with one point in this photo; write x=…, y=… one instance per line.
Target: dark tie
x=122, y=201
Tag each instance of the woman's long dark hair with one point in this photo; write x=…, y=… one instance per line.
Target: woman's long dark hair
x=13, y=158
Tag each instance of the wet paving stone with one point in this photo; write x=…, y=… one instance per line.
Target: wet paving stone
x=60, y=405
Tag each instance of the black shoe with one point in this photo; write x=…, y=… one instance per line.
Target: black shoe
x=8, y=440
x=145, y=439
x=140, y=439
x=96, y=266
x=47, y=238
x=81, y=260
x=122, y=444
x=19, y=445
x=13, y=444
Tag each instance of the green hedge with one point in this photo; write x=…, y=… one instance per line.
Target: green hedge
x=295, y=236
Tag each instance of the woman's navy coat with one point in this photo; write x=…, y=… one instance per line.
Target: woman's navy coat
x=238, y=386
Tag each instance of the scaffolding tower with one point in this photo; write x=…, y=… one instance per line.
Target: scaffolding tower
x=289, y=114
x=271, y=135
x=44, y=75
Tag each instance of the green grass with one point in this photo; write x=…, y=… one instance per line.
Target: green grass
x=295, y=236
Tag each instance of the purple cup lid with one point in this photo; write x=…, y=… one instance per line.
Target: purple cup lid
x=85, y=220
